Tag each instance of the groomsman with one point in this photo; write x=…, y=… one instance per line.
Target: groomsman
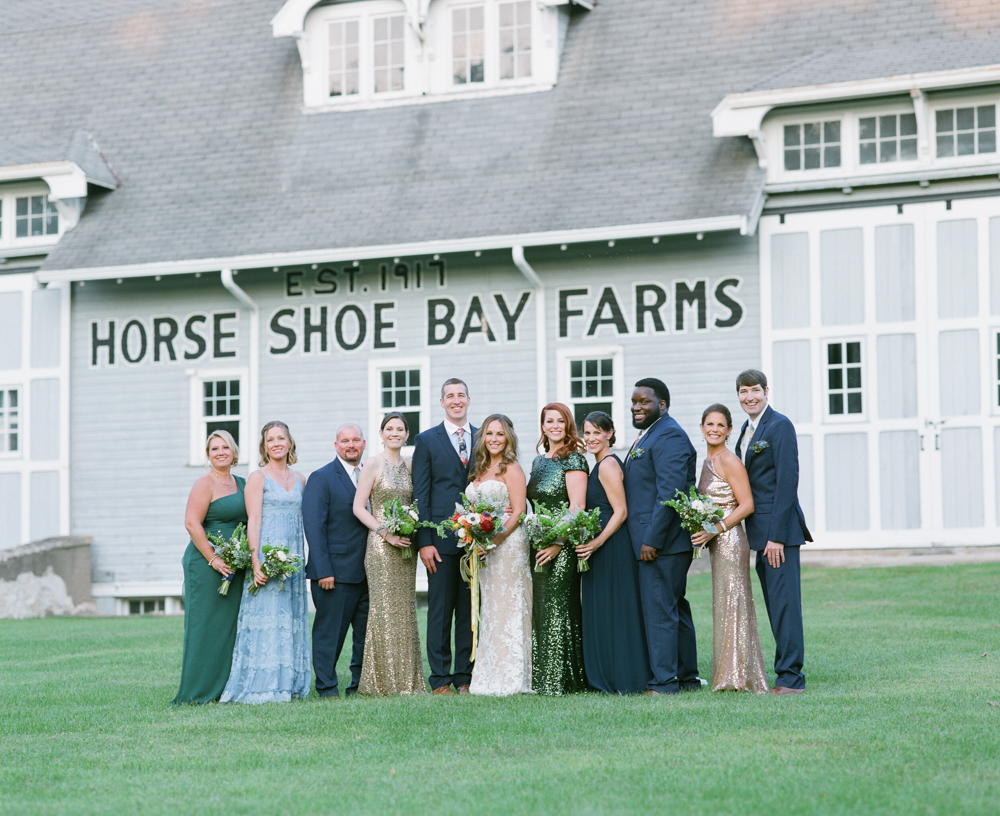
x=336, y=566
x=777, y=528
x=661, y=462
x=441, y=459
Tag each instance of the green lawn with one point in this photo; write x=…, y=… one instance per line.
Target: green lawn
x=902, y=715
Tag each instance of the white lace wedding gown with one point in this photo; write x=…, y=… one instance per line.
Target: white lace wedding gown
x=503, y=653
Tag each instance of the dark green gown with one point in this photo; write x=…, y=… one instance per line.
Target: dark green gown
x=556, y=615
x=210, y=618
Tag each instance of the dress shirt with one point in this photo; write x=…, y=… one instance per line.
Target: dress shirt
x=451, y=427
x=350, y=469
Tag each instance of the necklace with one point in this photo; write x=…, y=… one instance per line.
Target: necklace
x=281, y=479
x=227, y=482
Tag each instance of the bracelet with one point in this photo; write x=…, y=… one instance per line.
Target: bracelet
x=723, y=523
x=378, y=531
x=213, y=560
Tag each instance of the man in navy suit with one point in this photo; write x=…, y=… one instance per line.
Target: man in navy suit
x=441, y=459
x=661, y=462
x=777, y=528
x=336, y=566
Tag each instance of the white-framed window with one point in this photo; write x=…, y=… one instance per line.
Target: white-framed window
x=593, y=379
x=966, y=131
x=10, y=424
x=219, y=403
x=887, y=138
x=344, y=57
x=812, y=145
x=35, y=216
x=388, y=59
x=996, y=368
x=844, y=379
x=468, y=44
x=145, y=606
x=399, y=384
x=515, y=40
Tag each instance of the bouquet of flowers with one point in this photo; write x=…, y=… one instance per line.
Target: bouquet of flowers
x=578, y=527
x=402, y=520
x=234, y=552
x=275, y=562
x=697, y=512
x=474, y=524
x=540, y=528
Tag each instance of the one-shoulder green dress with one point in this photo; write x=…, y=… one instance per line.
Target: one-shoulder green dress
x=557, y=619
x=210, y=618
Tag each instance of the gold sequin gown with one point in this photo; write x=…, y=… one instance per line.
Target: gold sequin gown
x=392, y=662
x=737, y=660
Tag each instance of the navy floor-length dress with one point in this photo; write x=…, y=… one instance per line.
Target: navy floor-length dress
x=614, y=637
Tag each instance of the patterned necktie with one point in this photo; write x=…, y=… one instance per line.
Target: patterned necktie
x=463, y=451
x=357, y=475
x=746, y=450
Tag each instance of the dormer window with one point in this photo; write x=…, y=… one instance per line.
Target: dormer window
x=35, y=216
x=966, y=131
x=389, y=50
x=344, y=58
x=515, y=40
x=812, y=145
x=887, y=138
x=468, y=39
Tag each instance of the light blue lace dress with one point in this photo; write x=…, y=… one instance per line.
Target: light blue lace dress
x=271, y=657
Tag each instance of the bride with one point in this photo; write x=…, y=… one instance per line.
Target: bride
x=503, y=661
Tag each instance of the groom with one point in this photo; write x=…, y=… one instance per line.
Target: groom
x=336, y=566
x=441, y=458
x=777, y=528
x=661, y=462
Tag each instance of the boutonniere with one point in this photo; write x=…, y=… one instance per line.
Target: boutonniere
x=635, y=453
x=758, y=447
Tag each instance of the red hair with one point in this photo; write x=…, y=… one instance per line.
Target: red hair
x=571, y=443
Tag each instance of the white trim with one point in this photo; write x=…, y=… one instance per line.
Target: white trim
x=723, y=223
x=617, y=400
x=376, y=365
x=197, y=421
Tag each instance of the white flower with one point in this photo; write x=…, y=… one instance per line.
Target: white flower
x=280, y=555
x=473, y=519
x=413, y=515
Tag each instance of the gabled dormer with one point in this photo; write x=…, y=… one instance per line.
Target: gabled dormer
x=374, y=53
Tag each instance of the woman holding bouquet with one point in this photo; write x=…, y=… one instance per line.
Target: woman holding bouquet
x=391, y=663
x=614, y=638
x=737, y=660
x=503, y=656
x=271, y=662
x=215, y=506
x=558, y=475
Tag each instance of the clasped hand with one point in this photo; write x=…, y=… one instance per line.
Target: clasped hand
x=259, y=578
x=220, y=567
x=584, y=551
x=396, y=540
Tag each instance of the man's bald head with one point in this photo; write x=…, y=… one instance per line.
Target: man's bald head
x=350, y=443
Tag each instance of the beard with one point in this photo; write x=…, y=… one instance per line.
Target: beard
x=649, y=419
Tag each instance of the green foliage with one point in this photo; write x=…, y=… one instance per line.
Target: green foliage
x=899, y=718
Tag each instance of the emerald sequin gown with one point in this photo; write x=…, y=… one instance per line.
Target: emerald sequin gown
x=210, y=618
x=557, y=617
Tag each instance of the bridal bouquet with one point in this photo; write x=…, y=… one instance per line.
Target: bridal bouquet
x=697, y=512
x=578, y=527
x=234, y=552
x=276, y=562
x=474, y=524
x=402, y=520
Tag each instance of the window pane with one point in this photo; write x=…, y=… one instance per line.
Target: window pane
x=945, y=146
x=36, y=205
x=907, y=149
x=387, y=379
x=400, y=377
x=591, y=388
x=833, y=353
x=866, y=128
x=831, y=132
x=907, y=124
x=867, y=153
x=791, y=135
x=836, y=378
x=836, y=403
x=576, y=389
x=381, y=28
x=523, y=13
x=234, y=407
x=36, y=226
x=965, y=118
x=854, y=403
x=607, y=367
x=945, y=120
x=576, y=368
x=476, y=18
x=987, y=116
x=966, y=144
x=854, y=352
x=506, y=14
x=415, y=377
x=387, y=399
x=811, y=158
x=414, y=398
x=607, y=388
x=988, y=141
x=22, y=206
x=831, y=156
x=458, y=20
x=592, y=368
x=400, y=398
x=791, y=159
x=476, y=71
x=234, y=388
x=810, y=133
x=506, y=66
x=220, y=407
x=854, y=378
x=887, y=126
x=887, y=151
x=209, y=389
x=209, y=407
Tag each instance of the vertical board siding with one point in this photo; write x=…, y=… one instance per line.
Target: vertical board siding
x=793, y=379
x=962, y=477
x=959, y=372
x=957, y=259
x=44, y=420
x=846, y=481
x=842, y=277
x=995, y=266
x=897, y=375
x=895, y=290
x=10, y=517
x=790, y=280
x=899, y=474
x=10, y=330
x=45, y=327
x=807, y=485
x=45, y=505
x=996, y=467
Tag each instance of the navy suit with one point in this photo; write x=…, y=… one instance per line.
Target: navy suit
x=337, y=544
x=773, y=468
x=665, y=465
x=439, y=479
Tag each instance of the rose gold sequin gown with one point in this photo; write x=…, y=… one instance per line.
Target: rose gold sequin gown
x=737, y=660
x=392, y=662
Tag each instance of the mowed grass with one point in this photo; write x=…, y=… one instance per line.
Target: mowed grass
x=902, y=715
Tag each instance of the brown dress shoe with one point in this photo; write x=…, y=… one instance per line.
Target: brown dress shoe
x=785, y=690
x=444, y=691
x=463, y=689
x=651, y=693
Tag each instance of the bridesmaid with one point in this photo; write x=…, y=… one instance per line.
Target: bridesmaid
x=614, y=638
x=392, y=662
x=737, y=660
x=271, y=658
x=215, y=505
x=559, y=475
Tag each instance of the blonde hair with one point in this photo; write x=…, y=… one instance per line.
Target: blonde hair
x=292, y=458
x=226, y=437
